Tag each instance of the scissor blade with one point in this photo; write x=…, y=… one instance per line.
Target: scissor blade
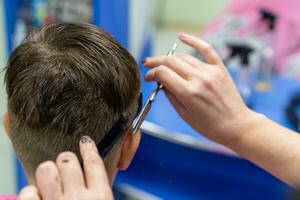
x=142, y=115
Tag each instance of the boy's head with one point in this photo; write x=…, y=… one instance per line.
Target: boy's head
x=65, y=81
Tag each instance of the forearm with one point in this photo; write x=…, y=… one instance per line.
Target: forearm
x=272, y=147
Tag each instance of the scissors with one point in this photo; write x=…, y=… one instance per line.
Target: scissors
x=136, y=124
x=115, y=132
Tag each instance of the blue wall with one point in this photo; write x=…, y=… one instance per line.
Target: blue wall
x=112, y=16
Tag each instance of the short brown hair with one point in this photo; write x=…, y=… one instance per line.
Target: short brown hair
x=64, y=81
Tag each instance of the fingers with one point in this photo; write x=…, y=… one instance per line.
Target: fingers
x=65, y=180
x=29, y=193
x=205, y=49
x=48, y=181
x=184, y=69
x=70, y=172
x=189, y=59
x=179, y=107
x=170, y=79
x=94, y=170
x=175, y=71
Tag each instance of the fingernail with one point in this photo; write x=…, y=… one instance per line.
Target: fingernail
x=87, y=143
x=144, y=60
x=183, y=36
x=86, y=139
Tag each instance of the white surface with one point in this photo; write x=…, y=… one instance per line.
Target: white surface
x=139, y=24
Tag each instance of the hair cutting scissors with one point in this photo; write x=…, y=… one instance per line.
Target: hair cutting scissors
x=144, y=111
x=115, y=132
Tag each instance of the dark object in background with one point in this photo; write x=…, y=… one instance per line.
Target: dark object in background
x=293, y=112
x=242, y=51
x=269, y=17
x=244, y=79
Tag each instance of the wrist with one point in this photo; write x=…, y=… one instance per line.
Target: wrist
x=242, y=126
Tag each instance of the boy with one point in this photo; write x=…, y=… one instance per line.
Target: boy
x=65, y=81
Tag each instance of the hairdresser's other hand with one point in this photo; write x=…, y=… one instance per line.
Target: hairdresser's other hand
x=202, y=92
x=29, y=192
x=65, y=179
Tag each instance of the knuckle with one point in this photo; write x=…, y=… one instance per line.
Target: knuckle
x=160, y=69
x=169, y=60
x=208, y=49
x=208, y=81
x=218, y=74
x=195, y=90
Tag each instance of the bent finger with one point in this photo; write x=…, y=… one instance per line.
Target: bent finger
x=171, y=80
x=48, y=181
x=205, y=49
x=181, y=67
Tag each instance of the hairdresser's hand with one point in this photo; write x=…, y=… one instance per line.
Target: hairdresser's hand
x=65, y=180
x=202, y=92
x=29, y=192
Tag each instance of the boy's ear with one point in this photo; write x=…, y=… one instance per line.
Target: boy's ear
x=128, y=149
x=6, y=124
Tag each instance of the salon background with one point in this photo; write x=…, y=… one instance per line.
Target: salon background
x=260, y=44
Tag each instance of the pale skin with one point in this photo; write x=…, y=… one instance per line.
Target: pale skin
x=205, y=96
x=64, y=178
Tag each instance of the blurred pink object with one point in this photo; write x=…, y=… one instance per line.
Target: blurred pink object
x=8, y=197
x=287, y=32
